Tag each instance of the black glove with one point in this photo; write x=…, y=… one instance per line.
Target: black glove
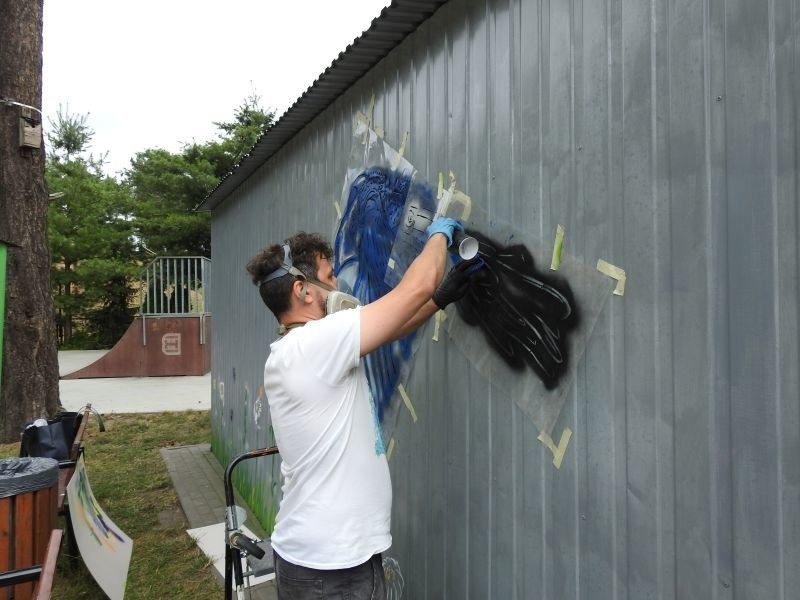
x=456, y=283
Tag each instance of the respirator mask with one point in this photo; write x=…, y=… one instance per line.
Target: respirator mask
x=336, y=300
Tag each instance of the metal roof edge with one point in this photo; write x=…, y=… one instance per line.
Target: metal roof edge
x=386, y=32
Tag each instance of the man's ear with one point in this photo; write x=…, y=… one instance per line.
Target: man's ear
x=300, y=290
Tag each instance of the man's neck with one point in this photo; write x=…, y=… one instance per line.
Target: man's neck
x=284, y=329
x=297, y=318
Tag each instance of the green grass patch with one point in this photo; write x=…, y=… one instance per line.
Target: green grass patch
x=130, y=481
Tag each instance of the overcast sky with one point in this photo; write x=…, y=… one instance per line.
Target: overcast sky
x=158, y=73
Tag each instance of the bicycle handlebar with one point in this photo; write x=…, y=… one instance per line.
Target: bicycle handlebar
x=241, y=541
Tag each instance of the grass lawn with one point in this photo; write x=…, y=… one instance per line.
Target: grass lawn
x=131, y=483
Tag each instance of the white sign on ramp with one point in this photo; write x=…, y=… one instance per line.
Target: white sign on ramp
x=104, y=547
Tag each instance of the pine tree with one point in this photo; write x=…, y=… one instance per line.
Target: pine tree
x=29, y=358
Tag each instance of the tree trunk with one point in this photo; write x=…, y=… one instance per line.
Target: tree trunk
x=29, y=361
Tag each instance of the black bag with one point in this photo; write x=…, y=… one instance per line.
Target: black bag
x=53, y=440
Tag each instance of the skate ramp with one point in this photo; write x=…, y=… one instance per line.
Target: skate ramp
x=156, y=346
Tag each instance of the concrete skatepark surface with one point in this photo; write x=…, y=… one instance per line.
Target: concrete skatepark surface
x=129, y=394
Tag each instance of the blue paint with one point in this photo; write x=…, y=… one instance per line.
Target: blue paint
x=379, y=446
x=363, y=245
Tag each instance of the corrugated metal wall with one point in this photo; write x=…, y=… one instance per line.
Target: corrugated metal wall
x=665, y=137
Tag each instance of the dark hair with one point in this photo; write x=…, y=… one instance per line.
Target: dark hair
x=305, y=248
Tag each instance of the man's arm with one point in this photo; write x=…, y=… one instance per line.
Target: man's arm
x=452, y=288
x=391, y=317
x=423, y=314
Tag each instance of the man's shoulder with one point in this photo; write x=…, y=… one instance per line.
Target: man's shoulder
x=344, y=318
x=328, y=347
x=299, y=338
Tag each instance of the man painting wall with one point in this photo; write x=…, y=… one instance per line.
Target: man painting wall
x=334, y=518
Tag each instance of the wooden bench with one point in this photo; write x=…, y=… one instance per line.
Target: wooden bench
x=36, y=581
x=44, y=587
x=66, y=468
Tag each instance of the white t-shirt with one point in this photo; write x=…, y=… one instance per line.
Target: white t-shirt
x=337, y=495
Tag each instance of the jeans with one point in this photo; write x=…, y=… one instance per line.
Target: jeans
x=362, y=582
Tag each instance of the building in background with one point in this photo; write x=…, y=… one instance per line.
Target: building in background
x=665, y=138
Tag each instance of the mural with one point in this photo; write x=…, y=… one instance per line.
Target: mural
x=524, y=314
x=374, y=196
x=361, y=251
x=521, y=326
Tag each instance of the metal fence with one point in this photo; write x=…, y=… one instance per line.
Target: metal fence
x=175, y=285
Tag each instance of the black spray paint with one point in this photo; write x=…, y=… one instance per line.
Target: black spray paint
x=525, y=315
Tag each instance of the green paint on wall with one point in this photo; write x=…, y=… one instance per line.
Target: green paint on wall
x=254, y=500
x=260, y=495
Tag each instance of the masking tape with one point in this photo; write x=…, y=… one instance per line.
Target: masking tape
x=615, y=273
x=452, y=187
x=555, y=262
x=407, y=402
x=450, y=191
x=402, y=150
x=367, y=119
x=361, y=121
x=444, y=196
x=371, y=111
x=558, y=451
x=437, y=322
x=399, y=156
x=338, y=210
x=465, y=201
x=390, y=449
